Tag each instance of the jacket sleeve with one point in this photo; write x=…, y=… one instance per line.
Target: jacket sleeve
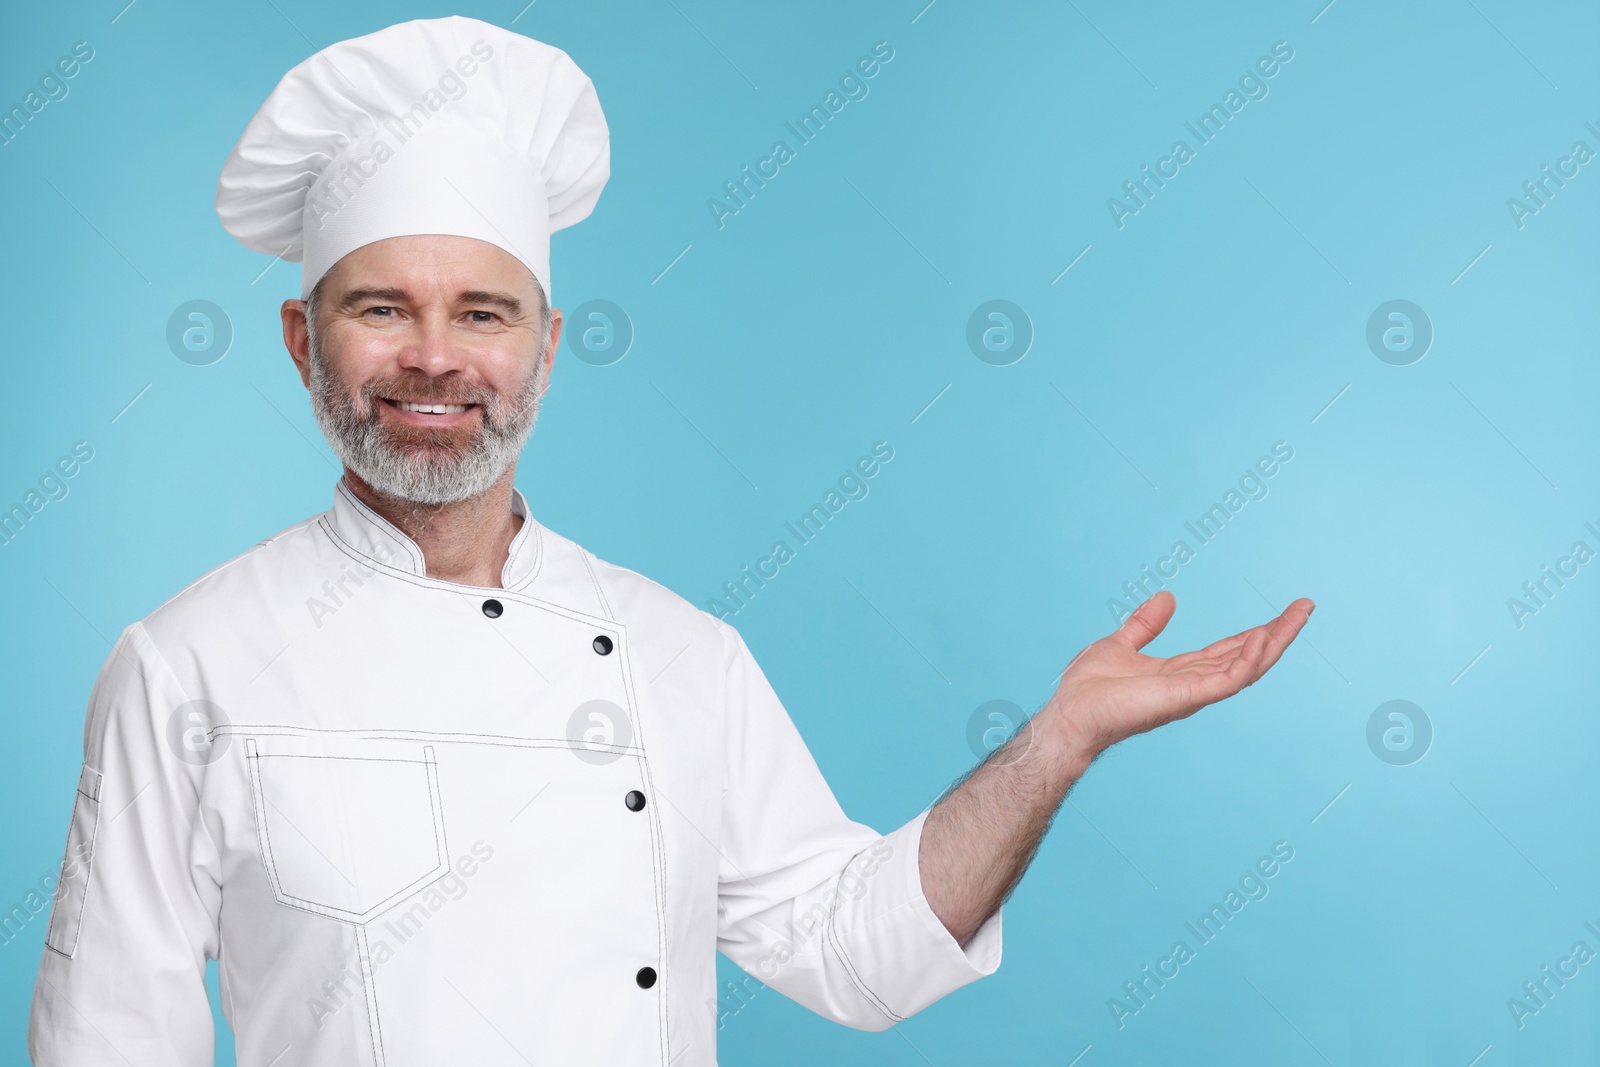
x=825, y=910
x=135, y=910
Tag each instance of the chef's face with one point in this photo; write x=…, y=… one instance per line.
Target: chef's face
x=426, y=363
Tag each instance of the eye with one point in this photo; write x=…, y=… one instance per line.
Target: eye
x=380, y=312
x=487, y=317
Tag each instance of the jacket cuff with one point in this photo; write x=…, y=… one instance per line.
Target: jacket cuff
x=897, y=951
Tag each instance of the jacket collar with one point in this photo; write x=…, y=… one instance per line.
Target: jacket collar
x=376, y=538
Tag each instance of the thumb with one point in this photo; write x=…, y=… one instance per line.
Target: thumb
x=1147, y=620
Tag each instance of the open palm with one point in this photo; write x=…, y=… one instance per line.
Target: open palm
x=1112, y=691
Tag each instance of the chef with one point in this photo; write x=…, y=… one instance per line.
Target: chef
x=431, y=782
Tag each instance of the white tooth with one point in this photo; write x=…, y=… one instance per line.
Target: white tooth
x=433, y=409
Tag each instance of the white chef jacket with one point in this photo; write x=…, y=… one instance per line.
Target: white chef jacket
x=420, y=823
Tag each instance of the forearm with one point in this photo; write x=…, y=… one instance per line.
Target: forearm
x=979, y=839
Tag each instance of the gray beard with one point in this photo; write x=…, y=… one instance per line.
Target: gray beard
x=433, y=468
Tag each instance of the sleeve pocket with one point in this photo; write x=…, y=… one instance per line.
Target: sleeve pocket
x=73, y=887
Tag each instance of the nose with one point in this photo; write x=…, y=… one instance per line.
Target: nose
x=431, y=347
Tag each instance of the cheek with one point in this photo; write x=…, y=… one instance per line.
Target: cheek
x=357, y=361
x=339, y=391
x=509, y=369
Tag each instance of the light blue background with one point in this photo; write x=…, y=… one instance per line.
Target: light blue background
x=826, y=316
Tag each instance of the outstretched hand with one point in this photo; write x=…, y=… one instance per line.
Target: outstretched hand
x=1111, y=690
x=979, y=839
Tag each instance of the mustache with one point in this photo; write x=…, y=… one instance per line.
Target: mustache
x=421, y=389
x=501, y=411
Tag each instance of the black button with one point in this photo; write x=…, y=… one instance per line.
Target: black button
x=646, y=977
x=602, y=645
x=634, y=800
x=493, y=608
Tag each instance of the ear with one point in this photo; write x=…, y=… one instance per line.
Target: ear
x=549, y=354
x=295, y=337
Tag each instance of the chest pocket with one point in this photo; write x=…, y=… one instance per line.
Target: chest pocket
x=347, y=829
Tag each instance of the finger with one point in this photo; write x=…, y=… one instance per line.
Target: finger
x=1218, y=650
x=1212, y=653
x=1225, y=679
x=1207, y=681
x=1147, y=620
x=1243, y=668
x=1281, y=633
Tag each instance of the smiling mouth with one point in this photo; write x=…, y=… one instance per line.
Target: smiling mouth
x=428, y=409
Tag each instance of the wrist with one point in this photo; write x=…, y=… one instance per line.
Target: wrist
x=1068, y=748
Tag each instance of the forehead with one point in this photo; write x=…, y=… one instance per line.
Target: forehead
x=427, y=264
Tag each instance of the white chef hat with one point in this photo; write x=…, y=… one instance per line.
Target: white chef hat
x=448, y=126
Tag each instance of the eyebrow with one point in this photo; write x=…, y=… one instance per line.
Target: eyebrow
x=504, y=301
